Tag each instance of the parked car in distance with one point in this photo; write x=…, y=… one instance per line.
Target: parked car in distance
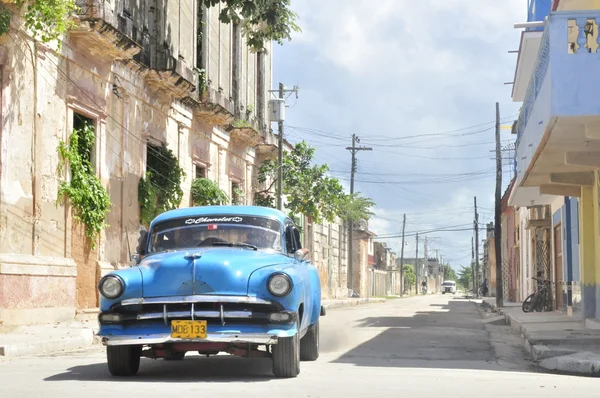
x=214, y=279
x=449, y=287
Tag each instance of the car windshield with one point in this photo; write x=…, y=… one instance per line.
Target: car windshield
x=244, y=231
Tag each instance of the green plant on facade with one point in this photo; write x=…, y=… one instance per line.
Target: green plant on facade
x=47, y=20
x=160, y=189
x=202, y=83
x=240, y=124
x=206, y=192
x=237, y=196
x=89, y=198
x=262, y=21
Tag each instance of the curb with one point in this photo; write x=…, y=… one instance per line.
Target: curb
x=351, y=302
x=83, y=338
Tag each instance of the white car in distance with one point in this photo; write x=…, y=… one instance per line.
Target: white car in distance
x=449, y=287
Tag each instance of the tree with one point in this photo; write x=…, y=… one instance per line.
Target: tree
x=409, y=274
x=261, y=20
x=465, y=276
x=354, y=207
x=449, y=273
x=47, y=20
x=309, y=190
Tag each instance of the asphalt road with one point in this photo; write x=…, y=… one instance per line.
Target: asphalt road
x=430, y=346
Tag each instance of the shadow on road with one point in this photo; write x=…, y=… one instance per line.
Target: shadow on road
x=193, y=368
x=450, y=336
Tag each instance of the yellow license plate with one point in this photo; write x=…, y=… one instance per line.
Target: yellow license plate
x=188, y=329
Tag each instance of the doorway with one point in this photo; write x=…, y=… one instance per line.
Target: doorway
x=558, y=267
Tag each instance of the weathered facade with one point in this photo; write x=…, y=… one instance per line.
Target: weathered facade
x=132, y=70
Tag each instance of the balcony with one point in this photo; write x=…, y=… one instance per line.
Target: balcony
x=558, y=131
x=102, y=32
x=211, y=106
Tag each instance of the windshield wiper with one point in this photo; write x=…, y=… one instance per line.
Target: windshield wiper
x=235, y=244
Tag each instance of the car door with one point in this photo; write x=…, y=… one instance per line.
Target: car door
x=293, y=244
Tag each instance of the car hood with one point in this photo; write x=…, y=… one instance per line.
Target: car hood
x=203, y=271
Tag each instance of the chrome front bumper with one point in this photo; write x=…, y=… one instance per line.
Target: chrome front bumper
x=236, y=338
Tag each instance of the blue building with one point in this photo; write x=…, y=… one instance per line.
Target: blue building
x=558, y=146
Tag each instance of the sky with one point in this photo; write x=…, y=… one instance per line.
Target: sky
x=416, y=81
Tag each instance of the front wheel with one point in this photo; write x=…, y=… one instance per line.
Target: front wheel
x=526, y=306
x=309, y=344
x=123, y=360
x=286, y=356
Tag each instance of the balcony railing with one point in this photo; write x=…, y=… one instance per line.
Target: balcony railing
x=565, y=82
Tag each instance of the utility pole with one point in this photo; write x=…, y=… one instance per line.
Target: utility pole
x=476, y=246
x=280, y=156
x=473, y=260
x=426, y=255
x=353, y=149
x=277, y=114
x=402, y=258
x=498, y=214
x=417, y=267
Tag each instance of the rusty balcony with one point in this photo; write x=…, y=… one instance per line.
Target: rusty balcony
x=101, y=31
x=246, y=132
x=211, y=106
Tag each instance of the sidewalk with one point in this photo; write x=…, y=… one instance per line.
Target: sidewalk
x=69, y=336
x=558, y=342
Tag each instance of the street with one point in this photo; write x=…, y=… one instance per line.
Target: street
x=424, y=346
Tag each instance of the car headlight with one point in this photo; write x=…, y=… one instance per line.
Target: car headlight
x=279, y=284
x=111, y=286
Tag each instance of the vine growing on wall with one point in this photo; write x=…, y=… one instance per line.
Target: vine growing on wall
x=237, y=196
x=206, y=192
x=160, y=189
x=84, y=189
x=47, y=20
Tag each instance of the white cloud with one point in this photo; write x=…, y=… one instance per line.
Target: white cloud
x=399, y=68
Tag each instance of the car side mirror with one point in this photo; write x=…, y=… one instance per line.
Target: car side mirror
x=301, y=254
x=136, y=258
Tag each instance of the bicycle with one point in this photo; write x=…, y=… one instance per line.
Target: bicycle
x=540, y=300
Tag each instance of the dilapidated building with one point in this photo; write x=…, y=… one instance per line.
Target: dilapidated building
x=142, y=74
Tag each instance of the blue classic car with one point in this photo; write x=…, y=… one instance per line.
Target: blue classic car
x=214, y=279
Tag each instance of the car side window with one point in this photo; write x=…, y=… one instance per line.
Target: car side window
x=297, y=243
x=289, y=238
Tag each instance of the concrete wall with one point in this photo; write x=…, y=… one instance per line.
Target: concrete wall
x=377, y=283
x=328, y=251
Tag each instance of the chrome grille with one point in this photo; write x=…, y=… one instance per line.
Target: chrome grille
x=214, y=309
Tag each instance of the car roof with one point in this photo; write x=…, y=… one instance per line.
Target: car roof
x=449, y=281
x=257, y=211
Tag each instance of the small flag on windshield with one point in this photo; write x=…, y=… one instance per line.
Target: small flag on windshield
x=212, y=227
